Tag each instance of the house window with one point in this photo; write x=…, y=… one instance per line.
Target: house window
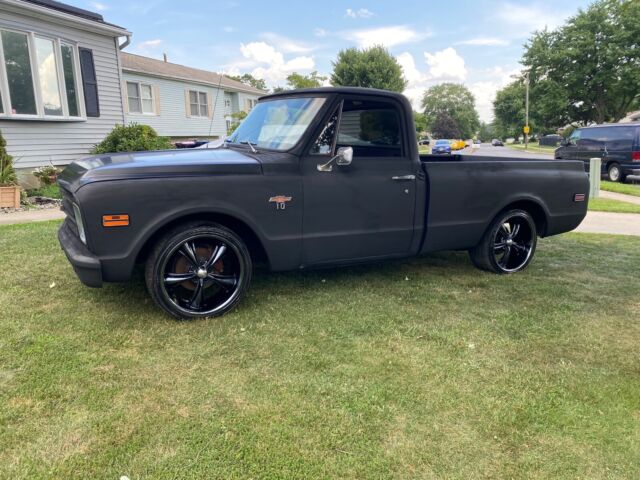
x=48, y=72
x=249, y=104
x=38, y=76
x=198, y=104
x=140, y=97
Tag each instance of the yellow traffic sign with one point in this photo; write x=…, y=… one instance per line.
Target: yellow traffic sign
x=526, y=129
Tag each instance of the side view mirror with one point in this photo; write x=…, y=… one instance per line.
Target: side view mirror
x=343, y=158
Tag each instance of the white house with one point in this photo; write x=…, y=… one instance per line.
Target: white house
x=181, y=102
x=60, y=82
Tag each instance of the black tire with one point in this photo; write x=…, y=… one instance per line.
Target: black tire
x=614, y=172
x=508, y=245
x=198, y=270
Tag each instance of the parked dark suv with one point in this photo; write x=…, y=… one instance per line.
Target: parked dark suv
x=618, y=145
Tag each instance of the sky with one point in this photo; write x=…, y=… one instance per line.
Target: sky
x=478, y=43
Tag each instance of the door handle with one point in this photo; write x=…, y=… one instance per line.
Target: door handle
x=404, y=178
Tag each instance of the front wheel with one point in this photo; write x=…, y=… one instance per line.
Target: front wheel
x=198, y=270
x=508, y=245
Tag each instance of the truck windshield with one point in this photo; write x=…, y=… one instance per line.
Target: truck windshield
x=277, y=124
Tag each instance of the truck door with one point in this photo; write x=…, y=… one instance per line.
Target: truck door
x=365, y=209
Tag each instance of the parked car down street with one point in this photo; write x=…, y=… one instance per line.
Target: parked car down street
x=442, y=146
x=497, y=143
x=618, y=145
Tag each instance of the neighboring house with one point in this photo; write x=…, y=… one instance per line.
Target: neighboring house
x=181, y=102
x=60, y=83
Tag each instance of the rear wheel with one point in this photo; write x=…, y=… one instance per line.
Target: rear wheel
x=198, y=270
x=615, y=173
x=508, y=245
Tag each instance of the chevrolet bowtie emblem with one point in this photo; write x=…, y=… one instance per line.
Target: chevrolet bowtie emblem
x=280, y=201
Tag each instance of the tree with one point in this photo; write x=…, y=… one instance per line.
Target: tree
x=421, y=122
x=445, y=126
x=509, y=110
x=313, y=80
x=250, y=80
x=457, y=102
x=374, y=67
x=588, y=70
x=486, y=133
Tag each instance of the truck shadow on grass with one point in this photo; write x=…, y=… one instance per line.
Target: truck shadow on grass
x=269, y=289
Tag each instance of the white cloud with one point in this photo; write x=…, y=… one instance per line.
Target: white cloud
x=320, y=32
x=485, y=91
x=148, y=47
x=100, y=7
x=411, y=72
x=228, y=29
x=285, y=44
x=485, y=42
x=361, y=13
x=268, y=63
x=387, y=36
x=446, y=65
x=524, y=19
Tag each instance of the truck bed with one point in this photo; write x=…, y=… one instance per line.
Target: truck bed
x=464, y=193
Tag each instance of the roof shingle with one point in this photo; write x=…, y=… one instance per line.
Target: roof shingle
x=151, y=66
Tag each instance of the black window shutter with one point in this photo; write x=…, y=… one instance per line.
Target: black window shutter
x=89, y=82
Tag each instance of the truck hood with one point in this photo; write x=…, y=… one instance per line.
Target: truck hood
x=188, y=162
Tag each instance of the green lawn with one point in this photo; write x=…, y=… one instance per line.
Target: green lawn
x=625, y=188
x=533, y=148
x=424, y=368
x=616, y=206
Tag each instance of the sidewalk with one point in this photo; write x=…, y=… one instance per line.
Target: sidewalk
x=31, y=216
x=620, y=196
x=611, y=223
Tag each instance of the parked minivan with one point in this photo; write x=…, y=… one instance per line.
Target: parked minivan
x=618, y=145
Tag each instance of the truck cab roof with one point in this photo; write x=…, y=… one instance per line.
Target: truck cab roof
x=336, y=91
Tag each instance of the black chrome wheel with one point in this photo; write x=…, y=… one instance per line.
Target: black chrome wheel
x=199, y=272
x=508, y=245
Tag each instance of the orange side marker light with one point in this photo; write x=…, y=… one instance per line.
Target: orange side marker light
x=115, y=221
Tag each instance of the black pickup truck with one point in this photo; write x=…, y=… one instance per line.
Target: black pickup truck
x=311, y=178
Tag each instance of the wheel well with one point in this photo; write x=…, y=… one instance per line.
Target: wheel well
x=253, y=243
x=535, y=210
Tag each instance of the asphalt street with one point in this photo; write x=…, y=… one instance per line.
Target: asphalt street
x=487, y=150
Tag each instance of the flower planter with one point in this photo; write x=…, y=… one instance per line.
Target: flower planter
x=10, y=197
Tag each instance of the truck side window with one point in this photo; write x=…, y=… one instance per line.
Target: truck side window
x=371, y=128
x=575, y=136
x=324, y=143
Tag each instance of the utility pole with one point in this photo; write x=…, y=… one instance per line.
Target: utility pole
x=526, y=110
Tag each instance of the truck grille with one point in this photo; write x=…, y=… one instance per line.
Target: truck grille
x=67, y=208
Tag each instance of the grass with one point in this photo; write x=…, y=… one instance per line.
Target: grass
x=626, y=188
x=49, y=191
x=533, y=148
x=615, y=206
x=424, y=368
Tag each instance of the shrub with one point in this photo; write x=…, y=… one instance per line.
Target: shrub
x=132, y=138
x=7, y=173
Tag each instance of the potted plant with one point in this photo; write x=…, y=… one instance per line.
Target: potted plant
x=9, y=189
x=47, y=174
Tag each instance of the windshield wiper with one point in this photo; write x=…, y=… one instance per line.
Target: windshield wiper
x=251, y=145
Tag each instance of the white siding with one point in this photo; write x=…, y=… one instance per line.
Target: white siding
x=173, y=121
x=35, y=143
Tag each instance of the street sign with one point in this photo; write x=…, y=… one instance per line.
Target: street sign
x=526, y=129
